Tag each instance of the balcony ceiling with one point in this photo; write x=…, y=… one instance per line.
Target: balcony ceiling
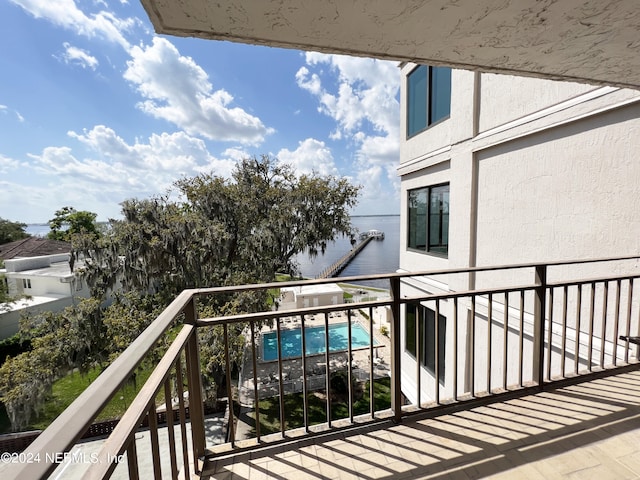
x=591, y=41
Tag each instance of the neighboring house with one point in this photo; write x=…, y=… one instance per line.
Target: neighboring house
x=499, y=170
x=46, y=282
x=33, y=247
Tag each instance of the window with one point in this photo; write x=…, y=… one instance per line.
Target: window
x=26, y=283
x=429, y=219
x=425, y=318
x=428, y=97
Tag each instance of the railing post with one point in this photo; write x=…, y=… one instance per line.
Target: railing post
x=539, y=309
x=196, y=410
x=396, y=392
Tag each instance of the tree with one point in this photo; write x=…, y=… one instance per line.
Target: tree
x=12, y=231
x=221, y=232
x=224, y=232
x=69, y=222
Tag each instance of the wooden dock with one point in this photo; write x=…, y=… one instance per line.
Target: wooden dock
x=335, y=269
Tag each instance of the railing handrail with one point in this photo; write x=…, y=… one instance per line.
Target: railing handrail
x=400, y=275
x=67, y=429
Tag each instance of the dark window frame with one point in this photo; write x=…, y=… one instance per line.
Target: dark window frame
x=437, y=83
x=426, y=317
x=420, y=224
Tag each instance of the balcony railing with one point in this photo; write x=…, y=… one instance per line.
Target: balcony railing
x=513, y=330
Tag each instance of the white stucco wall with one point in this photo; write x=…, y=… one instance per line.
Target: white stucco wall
x=540, y=171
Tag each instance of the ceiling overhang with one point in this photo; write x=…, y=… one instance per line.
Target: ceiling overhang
x=593, y=41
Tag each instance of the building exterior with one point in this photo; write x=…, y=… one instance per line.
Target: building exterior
x=311, y=296
x=47, y=283
x=500, y=170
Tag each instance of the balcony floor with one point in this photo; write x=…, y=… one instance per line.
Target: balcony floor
x=585, y=431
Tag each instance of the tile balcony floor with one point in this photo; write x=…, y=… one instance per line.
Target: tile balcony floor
x=585, y=431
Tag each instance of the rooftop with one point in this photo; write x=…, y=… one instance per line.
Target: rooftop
x=33, y=247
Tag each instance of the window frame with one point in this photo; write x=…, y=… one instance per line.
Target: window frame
x=426, y=318
x=414, y=223
x=430, y=95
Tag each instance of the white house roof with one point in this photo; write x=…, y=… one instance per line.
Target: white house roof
x=325, y=289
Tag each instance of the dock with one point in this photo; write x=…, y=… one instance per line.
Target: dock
x=335, y=269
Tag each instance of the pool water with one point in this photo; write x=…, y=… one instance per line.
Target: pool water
x=315, y=340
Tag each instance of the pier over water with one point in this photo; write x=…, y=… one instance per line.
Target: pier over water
x=365, y=237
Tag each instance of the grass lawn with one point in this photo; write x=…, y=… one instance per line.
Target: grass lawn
x=293, y=406
x=68, y=388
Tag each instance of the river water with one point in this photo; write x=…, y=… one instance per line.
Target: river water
x=379, y=256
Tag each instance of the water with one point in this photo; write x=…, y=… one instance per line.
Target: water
x=315, y=341
x=379, y=256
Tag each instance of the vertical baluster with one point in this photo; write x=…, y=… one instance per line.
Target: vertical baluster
x=371, y=381
x=592, y=302
x=521, y=341
x=280, y=382
x=489, y=342
x=455, y=349
x=603, y=344
x=349, y=365
x=563, y=351
x=227, y=362
x=183, y=417
x=578, y=322
x=132, y=458
x=505, y=340
x=170, y=428
x=550, y=334
x=628, y=329
x=436, y=351
x=327, y=370
x=396, y=367
x=305, y=401
x=256, y=393
x=155, y=444
x=616, y=325
x=472, y=353
x=419, y=322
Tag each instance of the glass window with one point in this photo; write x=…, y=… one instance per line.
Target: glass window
x=428, y=218
x=417, y=89
x=440, y=103
x=424, y=318
x=418, y=218
x=428, y=97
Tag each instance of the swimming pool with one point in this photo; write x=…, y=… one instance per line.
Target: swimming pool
x=315, y=340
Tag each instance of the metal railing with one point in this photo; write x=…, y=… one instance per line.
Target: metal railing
x=553, y=327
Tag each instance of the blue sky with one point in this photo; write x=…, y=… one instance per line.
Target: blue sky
x=96, y=108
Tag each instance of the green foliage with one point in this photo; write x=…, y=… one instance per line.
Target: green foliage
x=12, y=346
x=60, y=342
x=78, y=223
x=384, y=330
x=12, y=231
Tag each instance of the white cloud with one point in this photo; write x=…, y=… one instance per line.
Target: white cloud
x=361, y=95
x=113, y=170
x=77, y=56
x=311, y=156
x=66, y=14
x=7, y=164
x=178, y=90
